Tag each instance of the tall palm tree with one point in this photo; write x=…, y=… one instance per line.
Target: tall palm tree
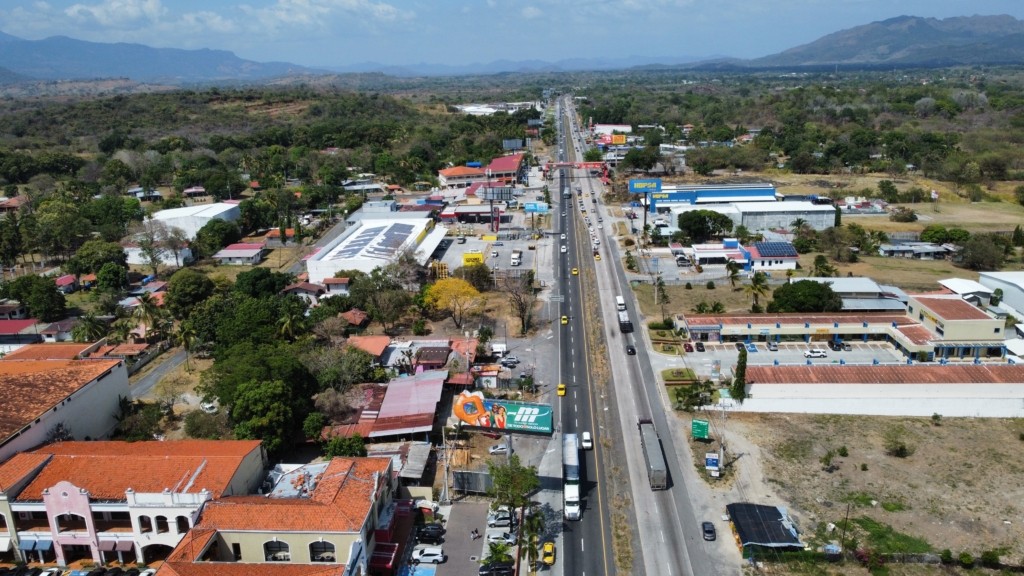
x=733, y=268
x=533, y=530
x=291, y=322
x=822, y=268
x=185, y=336
x=758, y=287
x=89, y=328
x=120, y=331
x=146, y=313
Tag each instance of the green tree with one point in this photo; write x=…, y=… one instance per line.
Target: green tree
x=981, y=253
x=702, y=225
x=758, y=288
x=512, y=483
x=89, y=328
x=246, y=361
x=11, y=240
x=261, y=282
x=92, y=255
x=59, y=227
x=265, y=410
x=733, y=269
x=112, y=278
x=822, y=268
x=39, y=295
x=151, y=237
x=479, y=275
x=147, y=313
x=347, y=446
x=738, y=390
x=215, y=235
x=805, y=296
x=199, y=424
x=313, y=426
x=185, y=289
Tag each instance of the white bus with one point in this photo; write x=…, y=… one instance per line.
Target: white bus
x=620, y=303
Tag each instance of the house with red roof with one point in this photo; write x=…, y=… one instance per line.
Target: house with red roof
x=509, y=169
x=374, y=345
x=460, y=176
x=21, y=331
x=323, y=519
x=307, y=291
x=66, y=283
x=12, y=310
x=336, y=286
x=70, y=501
x=241, y=254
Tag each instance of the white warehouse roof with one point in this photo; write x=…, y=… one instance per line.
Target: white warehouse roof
x=370, y=244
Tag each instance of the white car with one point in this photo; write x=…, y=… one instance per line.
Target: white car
x=429, y=555
x=500, y=536
x=564, y=249
x=586, y=442
x=563, y=235
x=815, y=353
x=498, y=449
x=208, y=407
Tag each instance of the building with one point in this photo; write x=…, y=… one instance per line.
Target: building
x=762, y=529
x=508, y=170
x=410, y=406
x=191, y=218
x=375, y=346
x=776, y=215
x=1012, y=286
x=19, y=332
x=368, y=244
x=696, y=194
x=336, y=286
x=460, y=176
x=72, y=500
x=962, y=329
x=960, y=390
x=770, y=256
x=861, y=294
x=309, y=293
x=47, y=387
x=12, y=310
x=915, y=251
x=241, y=254
x=167, y=257
x=59, y=331
x=334, y=518
x=974, y=292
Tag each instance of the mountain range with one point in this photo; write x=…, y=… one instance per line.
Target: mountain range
x=904, y=41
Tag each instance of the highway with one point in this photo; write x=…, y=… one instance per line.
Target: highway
x=670, y=540
x=587, y=544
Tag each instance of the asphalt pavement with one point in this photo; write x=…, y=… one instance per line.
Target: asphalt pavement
x=145, y=384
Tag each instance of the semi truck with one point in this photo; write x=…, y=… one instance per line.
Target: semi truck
x=657, y=471
x=625, y=324
x=517, y=257
x=571, y=477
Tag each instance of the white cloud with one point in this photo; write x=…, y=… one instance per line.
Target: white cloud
x=531, y=12
x=117, y=13
x=318, y=12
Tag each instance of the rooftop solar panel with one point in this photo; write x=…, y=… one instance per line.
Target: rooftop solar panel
x=776, y=249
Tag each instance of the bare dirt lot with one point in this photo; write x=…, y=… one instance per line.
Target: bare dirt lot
x=959, y=488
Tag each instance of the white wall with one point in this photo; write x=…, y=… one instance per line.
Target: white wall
x=956, y=400
x=89, y=413
x=136, y=258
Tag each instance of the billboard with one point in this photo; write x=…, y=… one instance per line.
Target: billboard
x=618, y=138
x=512, y=144
x=699, y=429
x=536, y=207
x=645, y=186
x=498, y=415
x=470, y=258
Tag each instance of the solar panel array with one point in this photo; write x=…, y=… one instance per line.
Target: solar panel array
x=776, y=249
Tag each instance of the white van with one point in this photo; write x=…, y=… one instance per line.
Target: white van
x=620, y=303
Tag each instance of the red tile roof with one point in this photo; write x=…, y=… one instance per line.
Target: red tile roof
x=952, y=308
x=11, y=327
x=463, y=171
x=355, y=317
x=340, y=502
x=917, y=334
x=30, y=387
x=336, y=281
x=246, y=569
x=304, y=287
x=506, y=163
x=245, y=246
x=375, y=345
x=184, y=466
x=276, y=233
x=19, y=466
x=65, y=280
x=48, y=351
x=888, y=374
x=789, y=319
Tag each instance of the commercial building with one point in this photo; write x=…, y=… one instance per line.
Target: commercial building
x=74, y=500
x=191, y=218
x=1012, y=286
x=49, y=387
x=334, y=518
x=861, y=294
x=370, y=243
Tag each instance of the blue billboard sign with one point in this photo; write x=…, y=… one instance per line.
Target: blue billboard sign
x=645, y=186
x=535, y=207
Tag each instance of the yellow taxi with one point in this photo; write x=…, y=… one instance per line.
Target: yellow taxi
x=575, y=271
x=548, y=553
x=597, y=257
x=561, y=389
x=565, y=320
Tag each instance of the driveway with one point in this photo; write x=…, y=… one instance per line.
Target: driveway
x=144, y=385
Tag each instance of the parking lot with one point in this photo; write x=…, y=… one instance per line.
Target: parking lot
x=791, y=353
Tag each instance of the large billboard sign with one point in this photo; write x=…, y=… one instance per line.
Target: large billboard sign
x=535, y=207
x=498, y=415
x=645, y=186
x=618, y=138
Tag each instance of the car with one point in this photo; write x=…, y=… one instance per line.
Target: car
x=564, y=249
x=498, y=244
x=835, y=346
x=815, y=353
x=597, y=257
x=208, y=407
x=586, y=442
x=575, y=271
x=497, y=569
x=547, y=553
x=429, y=555
x=499, y=521
x=630, y=350
x=563, y=235
x=513, y=360
x=708, y=530
x=687, y=346
x=699, y=346
x=847, y=347
x=740, y=346
x=494, y=253
x=565, y=320
x=599, y=220
x=772, y=346
x=498, y=449
x=500, y=537
x=563, y=214
x=430, y=530
x=561, y=389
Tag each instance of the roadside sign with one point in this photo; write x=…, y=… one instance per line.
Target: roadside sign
x=699, y=429
x=535, y=207
x=711, y=460
x=495, y=414
x=644, y=186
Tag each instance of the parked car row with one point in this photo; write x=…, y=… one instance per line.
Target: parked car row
x=774, y=347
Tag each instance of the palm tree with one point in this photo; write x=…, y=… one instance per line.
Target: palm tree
x=533, y=529
x=147, y=313
x=733, y=268
x=185, y=336
x=822, y=268
x=798, y=225
x=89, y=328
x=758, y=287
x=291, y=322
x=120, y=331
x=717, y=307
x=701, y=308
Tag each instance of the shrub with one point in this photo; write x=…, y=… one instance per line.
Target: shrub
x=863, y=467
x=689, y=286
x=937, y=419
x=710, y=285
x=946, y=556
x=419, y=327
x=990, y=559
x=966, y=560
x=843, y=451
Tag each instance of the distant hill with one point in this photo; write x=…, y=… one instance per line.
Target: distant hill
x=62, y=58
x=911, y=40
x=11, y=77
x=523, y=66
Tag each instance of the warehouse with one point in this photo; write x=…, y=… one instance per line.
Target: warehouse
x=767, y=215
x=191, y=218
x=371, y=243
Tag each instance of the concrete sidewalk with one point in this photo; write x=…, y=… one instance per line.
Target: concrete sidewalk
x=463, y=552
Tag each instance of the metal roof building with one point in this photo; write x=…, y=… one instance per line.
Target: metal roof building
x=370, y=244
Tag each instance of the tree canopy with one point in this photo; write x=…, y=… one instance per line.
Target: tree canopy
x=805, y=296
x=702, y=225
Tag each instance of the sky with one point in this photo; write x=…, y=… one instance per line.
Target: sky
x=337, y=33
